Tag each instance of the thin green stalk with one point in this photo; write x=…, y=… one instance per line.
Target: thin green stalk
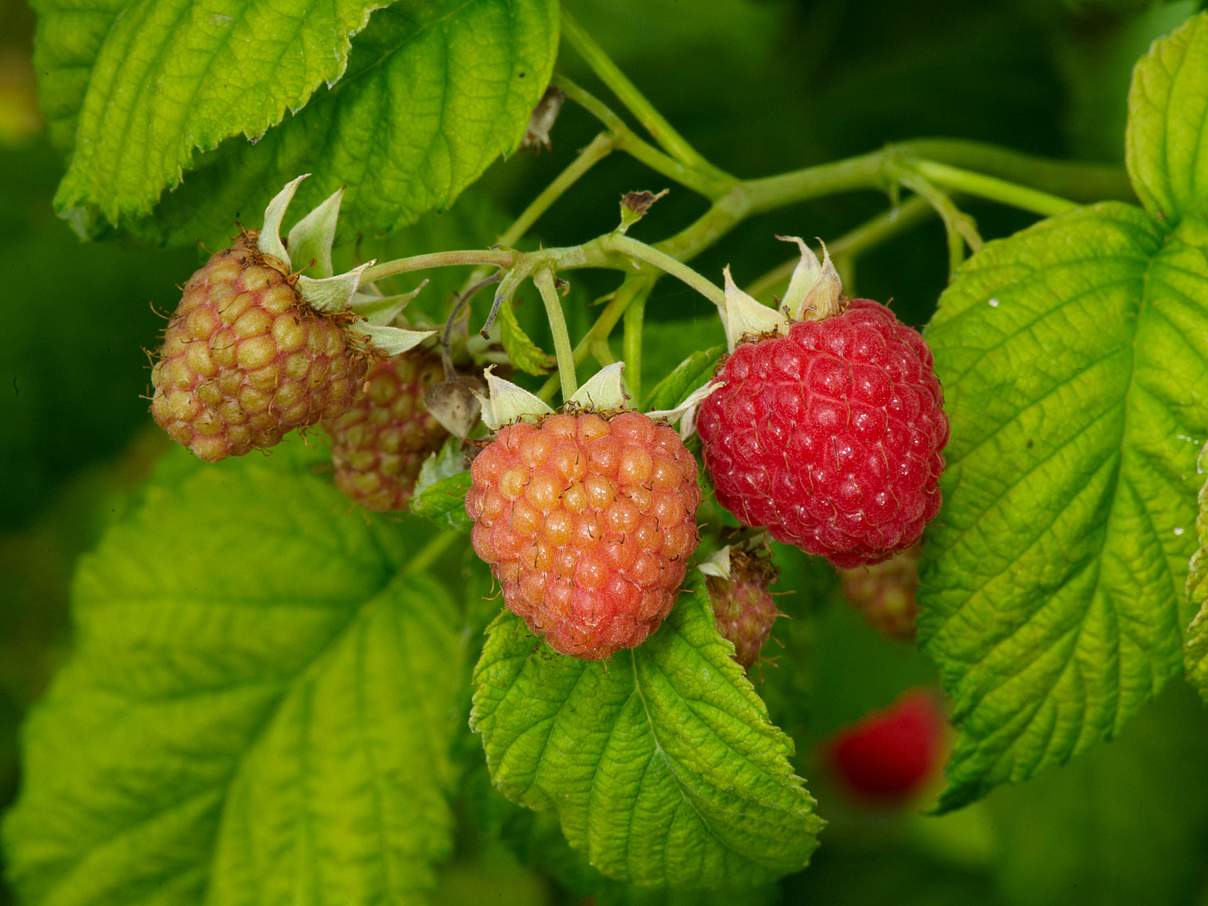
x=603, y=352
x=868, y=234
x=992, y=188
x=631, y=347
x=626, y=294
x=544, y=279
x=598, y=149
x=634, y=101
x=466, y=257
x=430, y=552
x=640, y=251
x=625, y=139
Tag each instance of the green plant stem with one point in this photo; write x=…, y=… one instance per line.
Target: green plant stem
x=640, y=251
x=635, y=287
x=544, y=279
x=992, y=188
x=709, y=184
x=631, y=347
x=461, y=257
x=430, y=552
x=634, y=101
x=598, y=149
x=870, y=233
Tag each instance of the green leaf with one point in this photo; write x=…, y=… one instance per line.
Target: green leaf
x=260, y=706
x=176, y=77
x=661, y=764
x=1196, y=652
x=689, y=374
x=440, y=490
x=1166, y=142
x=1052, y=589
x=435, y=91
x=522, y=351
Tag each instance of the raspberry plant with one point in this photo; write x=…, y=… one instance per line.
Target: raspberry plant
x=486, y=598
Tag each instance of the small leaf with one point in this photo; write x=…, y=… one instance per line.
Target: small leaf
x=689, y=374
x=1052, y=591
x=661, y=763
x=522, y=351
x=1166, y=141
x=260, y=702
x=440, y=490
x=1196, y=651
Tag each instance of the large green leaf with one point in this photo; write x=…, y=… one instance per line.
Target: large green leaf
x=172, y=77
x=1196, y=652
x=433, y=92
x=661, y=763
x=1167, y=136
x=1052, y=595
x=260, y=707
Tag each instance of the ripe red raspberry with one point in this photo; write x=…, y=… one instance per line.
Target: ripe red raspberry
x=742, y=605
x=380, y=443
x=588, y=522
x=830, y=436
x=889, y=756
x=245, y=360
x=885, y=593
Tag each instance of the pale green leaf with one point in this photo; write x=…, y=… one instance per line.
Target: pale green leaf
x=660, y=764
x=434, y=93
x=1052, y=593
x=522, y=351
x=1196, y=652
x=440, y=489
x=174, y=77
x=260, y=706
x=1167, y=136
x=688, y=375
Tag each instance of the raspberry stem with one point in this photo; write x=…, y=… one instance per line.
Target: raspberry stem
x=544, y=280
x=633, y=100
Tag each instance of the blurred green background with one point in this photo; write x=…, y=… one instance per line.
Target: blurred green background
x=759, y=86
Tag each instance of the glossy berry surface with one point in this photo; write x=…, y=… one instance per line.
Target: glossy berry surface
x=830, y=436
x=588, y=523
x=743, y=607
x=884, y=593
x=245, y=360
x=379, y=444
x=889, y=757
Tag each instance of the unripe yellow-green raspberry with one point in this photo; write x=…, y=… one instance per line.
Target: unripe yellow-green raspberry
x=379, y=444
x=245, y=359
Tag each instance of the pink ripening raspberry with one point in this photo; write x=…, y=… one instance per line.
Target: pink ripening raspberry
x=587, y=521
x=245, y=359
x=830, y=436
